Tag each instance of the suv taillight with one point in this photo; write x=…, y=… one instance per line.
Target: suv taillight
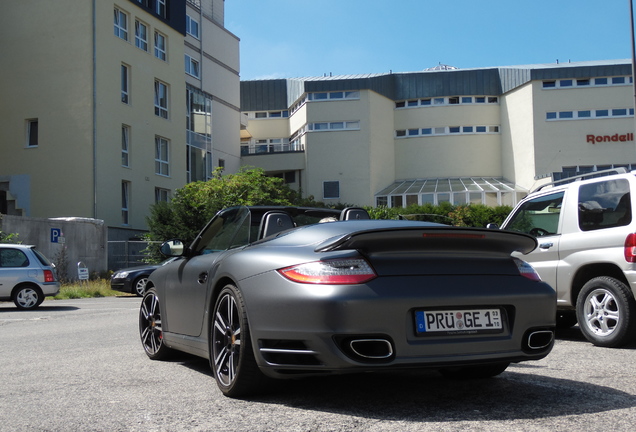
x=49, y=276
x=630, y=248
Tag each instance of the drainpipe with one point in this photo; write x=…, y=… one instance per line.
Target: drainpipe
x=94, y=111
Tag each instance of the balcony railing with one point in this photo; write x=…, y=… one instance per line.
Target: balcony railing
x=261, y=149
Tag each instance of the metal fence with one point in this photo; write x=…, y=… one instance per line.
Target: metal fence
x=126, y=253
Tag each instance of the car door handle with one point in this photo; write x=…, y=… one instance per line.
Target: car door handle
x=203, y=277
x=546, y=245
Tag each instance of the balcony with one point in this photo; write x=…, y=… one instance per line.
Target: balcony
x=262, y=149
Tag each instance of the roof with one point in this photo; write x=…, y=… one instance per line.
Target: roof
x=280, y=94
x=460, y=184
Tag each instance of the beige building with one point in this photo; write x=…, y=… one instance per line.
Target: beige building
x=93, y=105
x=444, y=134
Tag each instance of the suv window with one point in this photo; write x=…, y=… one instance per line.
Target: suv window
x=538, y=216
x=604, y=204
x=13, y=258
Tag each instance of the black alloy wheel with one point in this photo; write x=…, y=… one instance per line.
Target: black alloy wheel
x=150, y=329
x=231, y=356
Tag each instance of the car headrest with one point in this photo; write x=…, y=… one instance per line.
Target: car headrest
x=274, y=222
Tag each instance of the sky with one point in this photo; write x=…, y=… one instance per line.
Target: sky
x=305, y=38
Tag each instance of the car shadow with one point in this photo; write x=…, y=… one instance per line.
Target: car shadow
x=574, y=334
x=425, y=396
x=571, y=333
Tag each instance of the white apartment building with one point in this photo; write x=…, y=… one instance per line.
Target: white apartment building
x=485, y=135
x=94, y=103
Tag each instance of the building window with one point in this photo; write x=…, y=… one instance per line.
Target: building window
x=222, y=164
x=589, y=114
x=192, y=27
x=32, y=133
x=160, y=46
x=323, y=96
x=141, y=35
x=443, y=130
x=160, y=8
x=162, y=195
x=334, y=126
x=125, y=79
x=331, y=190
x=161, y=99
x=192, y=66
x=451, y=100
x=162, y=160
x=125, y=202
x=121, y=24
x=125, y=145
x=269, y=114
x=586, y=82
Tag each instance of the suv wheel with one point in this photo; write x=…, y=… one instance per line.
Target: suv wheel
x=606, y=310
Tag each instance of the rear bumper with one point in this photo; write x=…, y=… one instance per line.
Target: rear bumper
x=50, y=288
x=307, y=329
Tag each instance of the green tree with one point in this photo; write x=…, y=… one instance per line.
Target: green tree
x=194, y=205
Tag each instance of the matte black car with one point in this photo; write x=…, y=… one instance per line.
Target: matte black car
x=266, y=292
x=133, y=279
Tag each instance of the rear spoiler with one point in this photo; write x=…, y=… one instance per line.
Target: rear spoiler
x=439, y=239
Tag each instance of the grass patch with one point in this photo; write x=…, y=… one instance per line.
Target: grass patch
x=89, y=289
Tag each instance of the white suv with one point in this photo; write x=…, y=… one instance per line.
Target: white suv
x=587, y=251
x=26, y=276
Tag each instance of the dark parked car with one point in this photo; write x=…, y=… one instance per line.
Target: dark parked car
x=26, y=276
x=268, y=292
x=133, y=280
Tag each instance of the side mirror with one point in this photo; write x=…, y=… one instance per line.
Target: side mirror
x=173, y=248
x=492, y=226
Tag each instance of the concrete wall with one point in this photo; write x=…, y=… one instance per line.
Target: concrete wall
x=83, y=239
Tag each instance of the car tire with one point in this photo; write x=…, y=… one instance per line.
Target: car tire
x=139, y=286
x=606, y=310
x=28, y=297
x=474, y=372
x=150, y=329
x=565, y=319
x=231, y=353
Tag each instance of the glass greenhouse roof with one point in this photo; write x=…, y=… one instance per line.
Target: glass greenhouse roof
x=463, y=184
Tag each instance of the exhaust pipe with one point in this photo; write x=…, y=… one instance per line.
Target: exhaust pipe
x=540, y=339
x=372, y=348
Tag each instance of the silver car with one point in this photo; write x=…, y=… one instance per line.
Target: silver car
x=26, y=276
x=267, y=292
x=587, y=251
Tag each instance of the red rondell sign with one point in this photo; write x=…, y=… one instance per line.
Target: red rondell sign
x=610, y=138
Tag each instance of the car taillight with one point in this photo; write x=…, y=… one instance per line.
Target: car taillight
x=334, y=272
x=49, y=276
x=526, y=270
x=630, y=248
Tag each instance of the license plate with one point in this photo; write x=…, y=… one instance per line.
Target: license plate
x=471, y=321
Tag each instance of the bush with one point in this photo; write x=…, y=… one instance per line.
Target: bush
x=472, y=215
x=196, y=203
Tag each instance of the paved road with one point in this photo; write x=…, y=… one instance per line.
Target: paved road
x=77, y=365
